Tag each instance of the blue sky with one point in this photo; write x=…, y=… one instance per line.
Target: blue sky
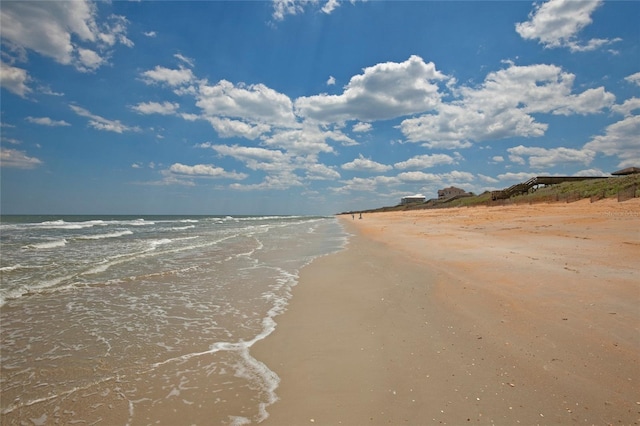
x=307, y=107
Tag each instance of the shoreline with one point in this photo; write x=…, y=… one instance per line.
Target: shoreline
x=507, y=314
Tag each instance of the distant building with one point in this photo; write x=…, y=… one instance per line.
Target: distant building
x=452, y=191
x=627, y=171
x=411, y=199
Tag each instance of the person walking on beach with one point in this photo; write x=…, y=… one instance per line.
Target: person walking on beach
x=360, y=216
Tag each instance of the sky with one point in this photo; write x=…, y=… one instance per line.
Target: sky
x=307, y=107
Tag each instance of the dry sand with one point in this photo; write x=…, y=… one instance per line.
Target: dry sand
x=506, y=315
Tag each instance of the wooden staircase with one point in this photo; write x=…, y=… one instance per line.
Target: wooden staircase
x=517, y=189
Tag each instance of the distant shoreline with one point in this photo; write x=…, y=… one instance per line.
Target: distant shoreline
x=566, y=192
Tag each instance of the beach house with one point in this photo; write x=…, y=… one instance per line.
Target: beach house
x=412, y=199
x=452, y=191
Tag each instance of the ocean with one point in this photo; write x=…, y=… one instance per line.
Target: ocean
x=120, y=320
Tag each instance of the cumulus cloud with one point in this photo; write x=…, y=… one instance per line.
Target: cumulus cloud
x=540, y=158
x=101, y=123
x=228, y=128
x=556, y=23
x=383, y=91
x=634, y=78
x=515, y=177
x=307, y=140
x=171, y=77
x=164, y=108
x=362, y=127
x=205, y=171
x=627, y=107
x=68, y=32
x=284, y=8
x=425, y=161
x=256, y=103
x=502, y=106
x=46, y=121
x=279, y=166
x=255, y=158
x=13, y=158
x=620, y=139
x=319, y=171
x=14, y=79
x=362, y=164
x=441, y=178
x=331, y=81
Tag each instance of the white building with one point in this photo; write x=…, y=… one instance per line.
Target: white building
x=411, y=199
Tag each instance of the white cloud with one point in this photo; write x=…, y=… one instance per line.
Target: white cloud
x=517, y=177
x=362, y=164
x=164, y=108
x=308, y=140
x=383, y=91
x=502, y=106
x=168, y=76
x=206, y=171
x=454, y=176
x=418, y=177
x=556, y=23
x=89, y=60
x=331, y=81
x=186, y=60
x=68, y=32
x=12, y=158
x=281, y=181
x=550, y=157
x=634, y=78
x=591, y=172
x=101, y=123
x=620, y=140
x=498, y=158
x=150, y=34
x=627, y=107
x=362, y=127
x=487, y=179
x=279, y=166
x=330, y=6
x=255, y=158
x=425, y=161
x=254, y=103
x=46, y=121
x=319, y=171
x=283, y=8
x=228, y=128
x=14, y=79
x=365, y=184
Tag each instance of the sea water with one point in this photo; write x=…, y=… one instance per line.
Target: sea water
x=146, y=320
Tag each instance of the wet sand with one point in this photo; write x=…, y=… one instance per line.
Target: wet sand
x=509, y=315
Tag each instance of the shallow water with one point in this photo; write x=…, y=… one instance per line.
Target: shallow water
x=117, y=320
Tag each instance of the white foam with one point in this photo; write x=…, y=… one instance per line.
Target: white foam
x=61, y=224
x=47, y=245
x=183, y=228
x=11, y=268
x=102, y=236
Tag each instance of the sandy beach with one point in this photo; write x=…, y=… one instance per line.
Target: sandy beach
x=509, y=315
